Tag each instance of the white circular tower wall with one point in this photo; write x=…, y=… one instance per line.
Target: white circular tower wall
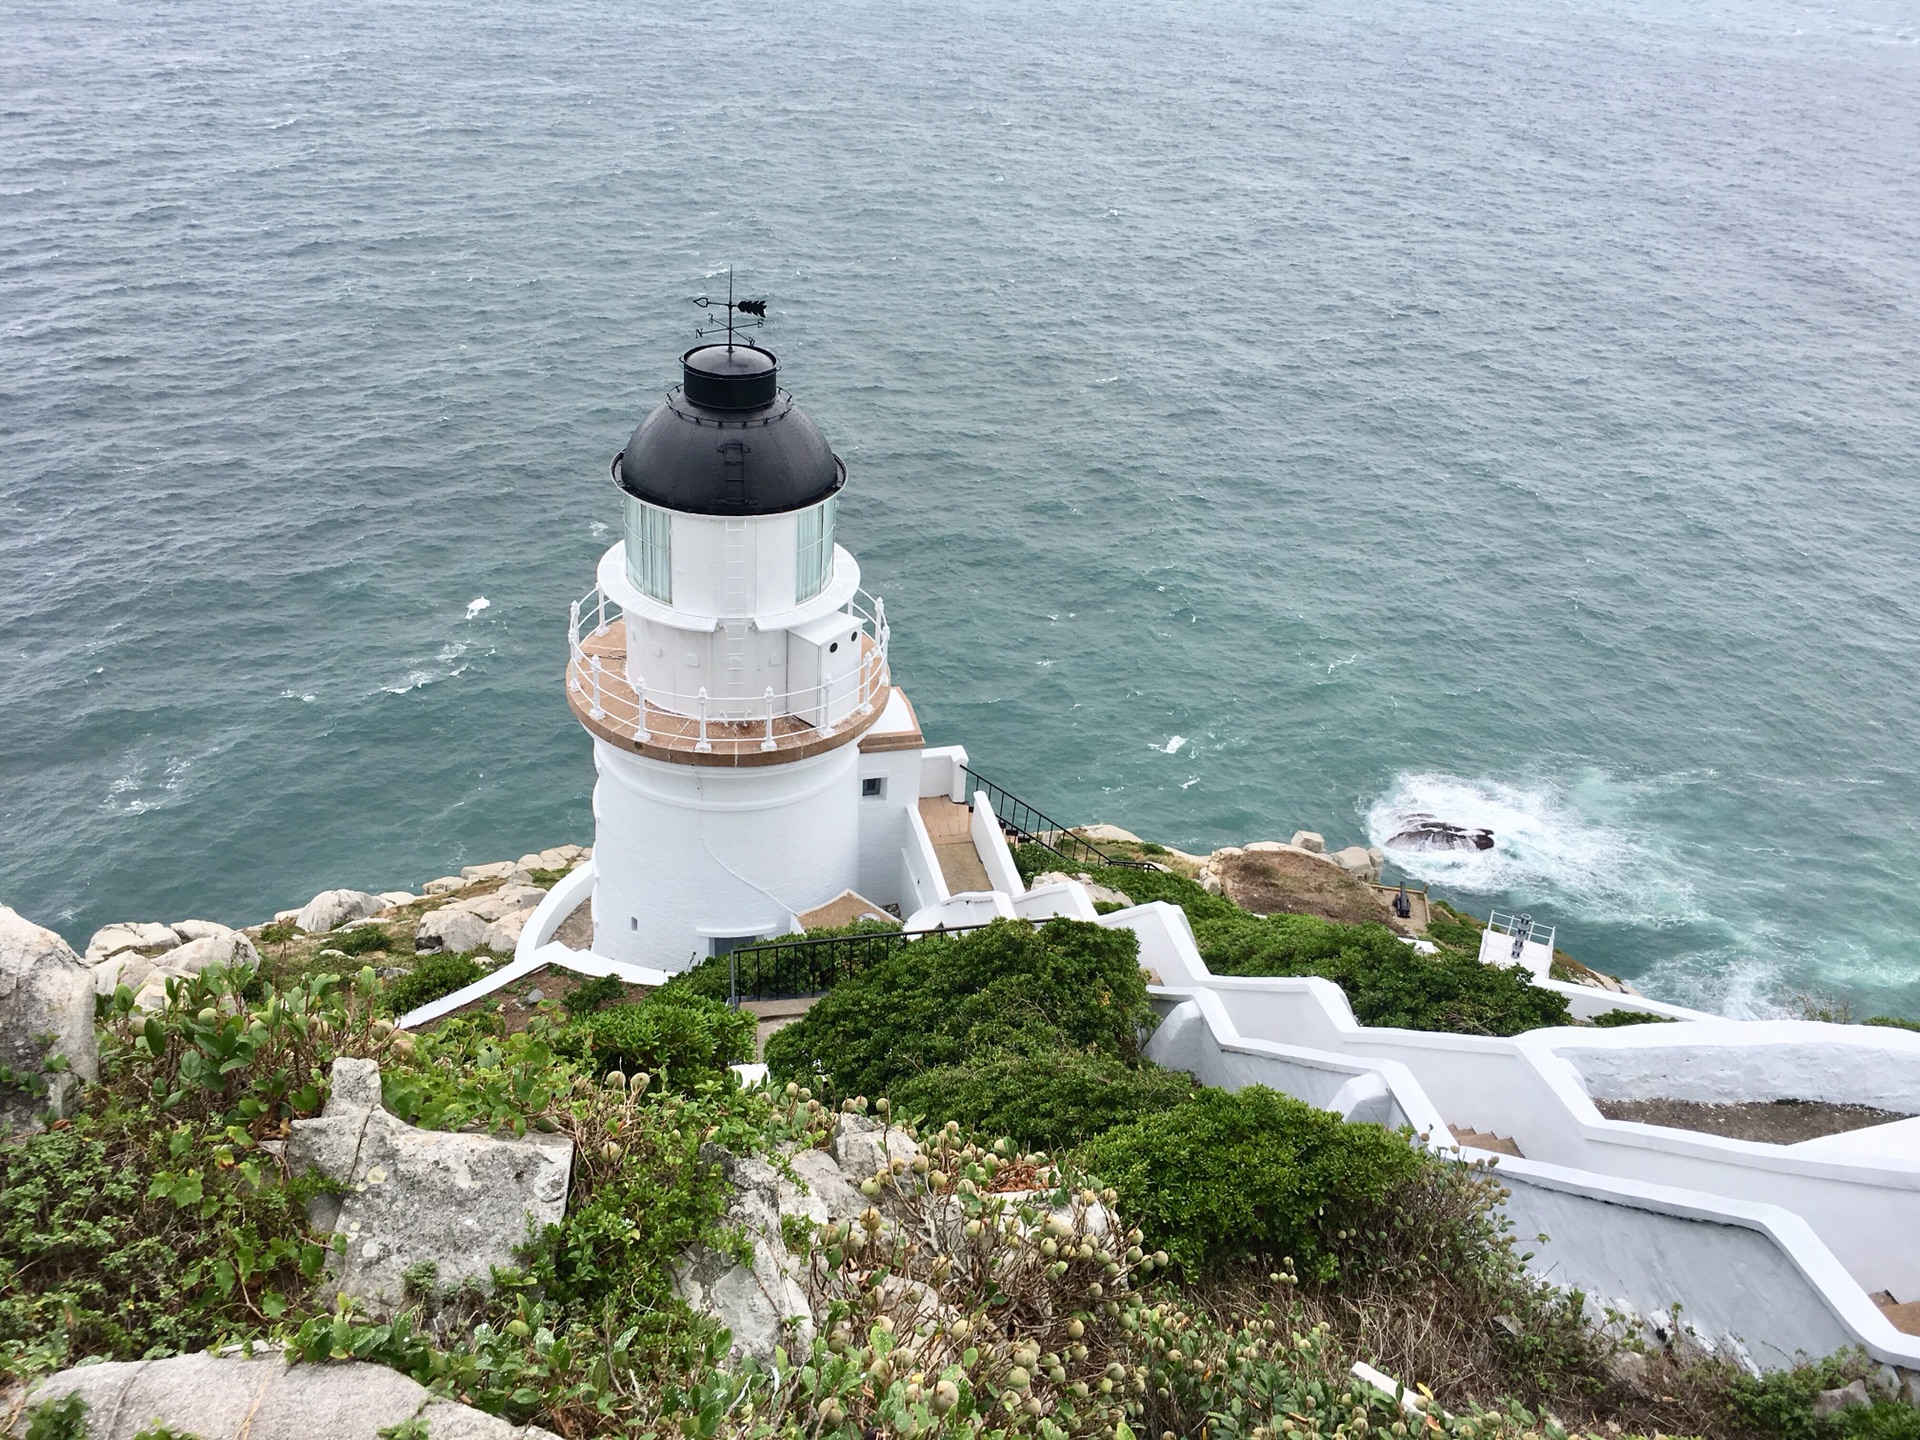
x=689, y=854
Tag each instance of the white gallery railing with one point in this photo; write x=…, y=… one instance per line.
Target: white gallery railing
x=597, y=673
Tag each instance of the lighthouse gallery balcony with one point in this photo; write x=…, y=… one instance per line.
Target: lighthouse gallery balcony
x=704, y=728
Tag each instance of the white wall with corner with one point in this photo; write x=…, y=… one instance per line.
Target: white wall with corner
x=693, y=855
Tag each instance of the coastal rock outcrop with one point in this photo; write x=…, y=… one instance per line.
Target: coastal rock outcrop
x=331, y=909
x=761, y=1300
x=449, y=928
x=1099, y=894
x=144, y=974
x=130, y=935
x=466, y=1203
x=221, y=1397
x=45, y=991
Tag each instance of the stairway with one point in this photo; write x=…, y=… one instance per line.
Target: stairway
x=1485, y=1140
x=950, y=827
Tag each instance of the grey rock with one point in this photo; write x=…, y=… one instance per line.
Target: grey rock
x=503, y=935
x=112, y=939
x=230, y=1397
x=392, y=898
x=1628, y=1370
x=230, y=949
x=199, y=930
x=445, y=885
x=864, y=1147
x=1829, y=1403
x=536, y=995
x=331, y=909
x=1310, y=841
x=492, y=871
x=464, y=1202
x=529, y=862
x=46, y=1009
x=762, y=1303
x=449, y=929
x=829, y=1195
x=1358, y=862
x=508, y=900
x=559, y=857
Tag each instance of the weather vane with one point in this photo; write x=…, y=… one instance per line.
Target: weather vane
x=733, y=310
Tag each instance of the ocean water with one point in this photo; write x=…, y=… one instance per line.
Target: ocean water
x=1259, y=416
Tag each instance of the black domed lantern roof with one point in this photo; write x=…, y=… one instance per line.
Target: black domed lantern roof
x=729, y=441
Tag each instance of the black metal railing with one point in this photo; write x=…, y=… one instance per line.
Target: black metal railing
x=1027, y=826
x=793, y=969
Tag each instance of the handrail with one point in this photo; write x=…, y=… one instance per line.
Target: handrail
x=1522, y=928
x=801, y=965
x=597, y=674
x=1027, y=825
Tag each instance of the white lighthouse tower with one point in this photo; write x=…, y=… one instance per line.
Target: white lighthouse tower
x=755, y=761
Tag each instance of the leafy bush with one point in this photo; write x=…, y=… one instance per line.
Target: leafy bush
x=584, y=999
x=1447, y=926
x=155, y=1220
x=1053, y=1100
x=1780, y=1404
x=942, y=1001
x=678, y=1037
x=1613, y=1019
x=431, y=978
x=1892, y=1021
x=1251, y=1174
x=362, y=939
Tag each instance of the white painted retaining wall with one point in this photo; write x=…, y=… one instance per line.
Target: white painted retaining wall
x=1628, y=1212
x=991, y=845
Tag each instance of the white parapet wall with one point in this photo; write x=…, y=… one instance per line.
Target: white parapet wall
x=990, y=842
x=538, y=949
x=1774, y=1245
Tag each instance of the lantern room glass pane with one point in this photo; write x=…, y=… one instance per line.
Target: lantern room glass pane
x=813, y=565
x=650, y=550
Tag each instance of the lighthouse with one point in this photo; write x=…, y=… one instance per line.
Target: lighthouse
x=756, y=767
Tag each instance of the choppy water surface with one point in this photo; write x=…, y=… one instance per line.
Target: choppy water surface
x=1501, y=410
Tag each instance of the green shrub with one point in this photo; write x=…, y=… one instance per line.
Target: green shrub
x=1049, y=1101
x=1780, y=1404
x=943, y=1001
x=62, y=1419
x=1386, y=981
x=431, y=977
x=1892, y=1021
x=1449, y=927
x=1613, y=1019
x=364, y=938
x=676, y=1037
x=1251, y=1174
x=584, y=999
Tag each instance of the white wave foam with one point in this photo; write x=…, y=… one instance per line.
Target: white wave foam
x=476, y=605
x=1573, y=846
x=1172, y=747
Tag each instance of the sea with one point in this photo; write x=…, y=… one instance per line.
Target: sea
x=1260, y=415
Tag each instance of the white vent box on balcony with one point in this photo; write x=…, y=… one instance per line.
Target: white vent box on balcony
x=823, y=667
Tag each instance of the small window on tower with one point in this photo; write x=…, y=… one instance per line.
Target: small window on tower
x=650, y=550
x=813, y=563
x=874, y=787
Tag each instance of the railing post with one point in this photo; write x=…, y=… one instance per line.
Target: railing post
x=600, y=620
x=767, y=744
x=640, y=707
x=573, y=647
x=598, y=711
x=733, y=981
x=704, y=744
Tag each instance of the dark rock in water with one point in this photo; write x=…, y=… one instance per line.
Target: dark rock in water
x=1424, y=832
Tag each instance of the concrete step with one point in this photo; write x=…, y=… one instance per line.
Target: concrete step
x=1485, y=1140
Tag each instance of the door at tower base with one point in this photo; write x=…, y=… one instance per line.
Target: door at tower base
x=691, y=859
